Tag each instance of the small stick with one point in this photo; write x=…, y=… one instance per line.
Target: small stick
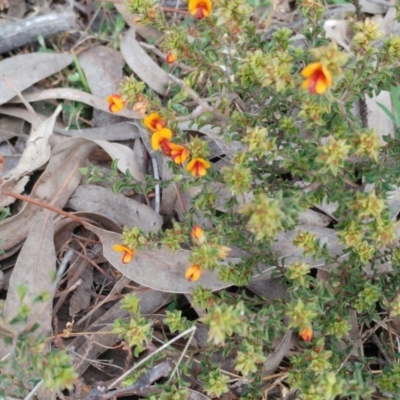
x=43, y=205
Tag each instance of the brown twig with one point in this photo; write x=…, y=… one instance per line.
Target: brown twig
x=180, y=199
x=25, y=103
x=42, y=205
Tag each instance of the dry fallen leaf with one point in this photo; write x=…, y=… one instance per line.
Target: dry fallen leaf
x=58, y=182
x=142, y=64
x=35, y=265
x=37, y=150
x=158, y=269
x=35, y=155
x=76, y=95
x=123, y=210
x=107, y=63
x=24, y=70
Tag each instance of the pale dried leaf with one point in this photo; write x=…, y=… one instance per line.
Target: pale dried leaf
x=64, y=227
x=142, y=64
x=111, y=133
x=107, y=63
x=10, y=127
x=377, y=118
x=147, y=32
x=37, y=150
x=16, y=186
x=24, y=70
x=55, y=185
x=80, y=299
x=338, y=30
x=104, y=62
x=8, y=163
x=76, y=95
x=125, y=157
x=159, y=269
x=58, y=182
x=23, y=114
x=284, y=247
x=35, y=265
x=269, y=288
x=213, y=134
x=273, y=360
x=193, y=395
x=169, y=195
x=123, y=210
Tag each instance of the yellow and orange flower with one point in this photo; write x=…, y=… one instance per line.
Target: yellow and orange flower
x=198, y=167
x=160, y=137
x=198, y=235
x=318, y=78
x=127, y=255
x=115, y=102
x=179, y=153
x=306, y=333
x=171, y=57
x=200, y=8
x=193, y=273
x=154, y=122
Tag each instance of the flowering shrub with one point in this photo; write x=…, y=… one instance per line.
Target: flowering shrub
x=282, y=115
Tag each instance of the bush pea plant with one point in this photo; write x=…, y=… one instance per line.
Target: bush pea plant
x=284, y=115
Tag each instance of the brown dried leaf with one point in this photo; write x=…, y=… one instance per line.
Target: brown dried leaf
x=159, y=269
x=57, y=183
x=24, y=70
x=81, y=296
x=33, y=270
x=142, y=65
x=55, y=186
x=76, y=95
x=107, y=63
x=123, y=210
x=37, y=150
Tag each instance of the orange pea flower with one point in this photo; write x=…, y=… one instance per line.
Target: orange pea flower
x=200, y=8
x=128, y=253
x=198, y=235
x=160, y=137
x=115, y=102
x=306, y=333
x=154, y=122
x=318, y=78
x=198, y=167
x=171, y=57
x=193, y=273
x=178, y=153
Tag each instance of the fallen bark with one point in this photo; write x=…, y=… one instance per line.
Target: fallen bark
x=26, y=31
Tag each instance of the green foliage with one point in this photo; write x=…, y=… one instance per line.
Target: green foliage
x=282, y=114
x=136, y=330
x=29, y=361
x=176, y=322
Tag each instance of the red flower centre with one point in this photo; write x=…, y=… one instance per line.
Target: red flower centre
x=158, y=124
x=165, y=147
x=200, y=10
x=317, y=76
x=197, y=168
